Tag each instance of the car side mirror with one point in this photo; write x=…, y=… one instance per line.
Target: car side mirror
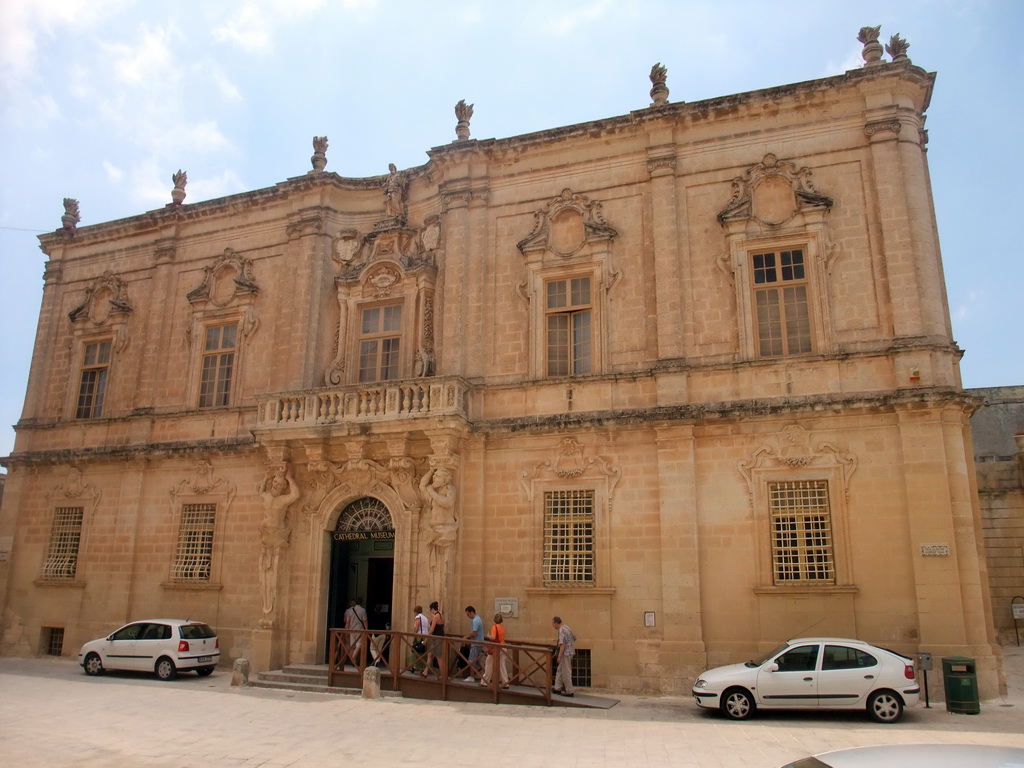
x=773, y=667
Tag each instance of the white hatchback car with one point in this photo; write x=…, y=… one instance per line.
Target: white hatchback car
x=163, y=646
x=814, y=673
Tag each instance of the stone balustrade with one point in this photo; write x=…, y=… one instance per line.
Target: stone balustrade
x=380, y=401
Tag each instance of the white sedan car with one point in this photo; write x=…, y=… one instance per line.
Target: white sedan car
x=163, y=646
x=814, y=673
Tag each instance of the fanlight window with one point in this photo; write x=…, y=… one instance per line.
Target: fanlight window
x=365, y=514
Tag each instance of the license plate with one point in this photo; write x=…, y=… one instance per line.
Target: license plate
x=204, y=659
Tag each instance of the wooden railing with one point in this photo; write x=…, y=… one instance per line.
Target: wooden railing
x=445, y=659
x=409, y=398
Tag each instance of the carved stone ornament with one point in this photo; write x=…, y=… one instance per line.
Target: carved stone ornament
x=382, y=280
x=872, y=53
x=74, y=488
x=202, y=483
x=347, y=246
x=229, y=277
x=463, y=113
x=396, y=192
x=362, y=477
x=106, y=297
x=568, y=462
x=180, y=179
x=69, y=221
x=793, y=448
x=773, y=192
x=566, y=224
x=319, y=158
x=897, y=48
x=430, y=235
x=659, y=91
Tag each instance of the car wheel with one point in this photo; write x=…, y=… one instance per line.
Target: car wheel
x=204, y=671
x=165, y=669
x=93, y=664
x=885, y=707
x=737, y=704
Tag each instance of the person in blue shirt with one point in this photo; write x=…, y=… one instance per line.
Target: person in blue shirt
x=475, y=651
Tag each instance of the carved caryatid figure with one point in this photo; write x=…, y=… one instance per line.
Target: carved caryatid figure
x=395, y=187
x=278, y=491
x=439, y=495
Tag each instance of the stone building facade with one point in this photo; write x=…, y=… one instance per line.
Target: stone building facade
x=998, y=430
x=684, y=377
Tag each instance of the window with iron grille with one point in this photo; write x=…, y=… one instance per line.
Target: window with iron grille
x=568, y=312
x=568, y=538
x=53, y=641
x=92, y=386
x=801, y=523
x=65, y=536
x=195, y=543
x=581, y=668
x=783, y=323
x=218, y=366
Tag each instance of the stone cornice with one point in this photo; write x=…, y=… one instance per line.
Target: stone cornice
x=145, y=451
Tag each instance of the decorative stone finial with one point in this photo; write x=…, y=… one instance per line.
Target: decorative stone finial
x=319, y=158
x=464, y=113
x=659, y=93
x=71, y=215
x=180, y=179
x=897, y=48
x=872, y=52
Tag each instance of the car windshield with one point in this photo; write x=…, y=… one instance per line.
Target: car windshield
x=757, y=661
x=195, y=631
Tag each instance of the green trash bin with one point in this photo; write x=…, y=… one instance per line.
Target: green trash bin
x=960, y=677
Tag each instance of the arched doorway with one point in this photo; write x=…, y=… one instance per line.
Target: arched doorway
x=362, y=563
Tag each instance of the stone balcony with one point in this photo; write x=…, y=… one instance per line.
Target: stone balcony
x=365, y=403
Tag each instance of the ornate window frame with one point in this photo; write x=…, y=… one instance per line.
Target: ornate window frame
x=73, y=492
x=571, y=469
x=792, y=456
x=101, y=317
x=570, y=239
x=774, y=208
x=202, y=488
x=226, y=296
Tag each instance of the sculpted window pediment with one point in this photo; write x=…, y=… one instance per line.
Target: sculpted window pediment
x=793, y=450
x=107, y=297
x=566, y=224
x=772, y=193
x=228, y=278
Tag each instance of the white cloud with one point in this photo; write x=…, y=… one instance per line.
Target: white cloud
x=23, y=22
x=226, y=183
x=149, y=61
x=228, y=90
x=114, y=174
x=571, y=21
x=203, y=137
x=249, y=29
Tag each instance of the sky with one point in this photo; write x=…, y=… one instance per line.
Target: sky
x=103, y=100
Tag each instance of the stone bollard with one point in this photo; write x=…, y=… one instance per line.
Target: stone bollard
x=371, y=683
x=240, y=673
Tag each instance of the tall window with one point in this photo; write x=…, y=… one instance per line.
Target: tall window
x=65, y=536
x=568, y=312
x=219, y=347
x=195, y=543
x=568, y=538
x=780, y=299
x=93, y=384
x=380, y=336
x=801, y=523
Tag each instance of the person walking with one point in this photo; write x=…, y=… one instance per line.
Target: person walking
x=476, y=634
x=355, y=618
x=496, y=635
x=435, y=630
x=566, y=650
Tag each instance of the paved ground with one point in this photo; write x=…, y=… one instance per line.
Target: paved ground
x=51, y=714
